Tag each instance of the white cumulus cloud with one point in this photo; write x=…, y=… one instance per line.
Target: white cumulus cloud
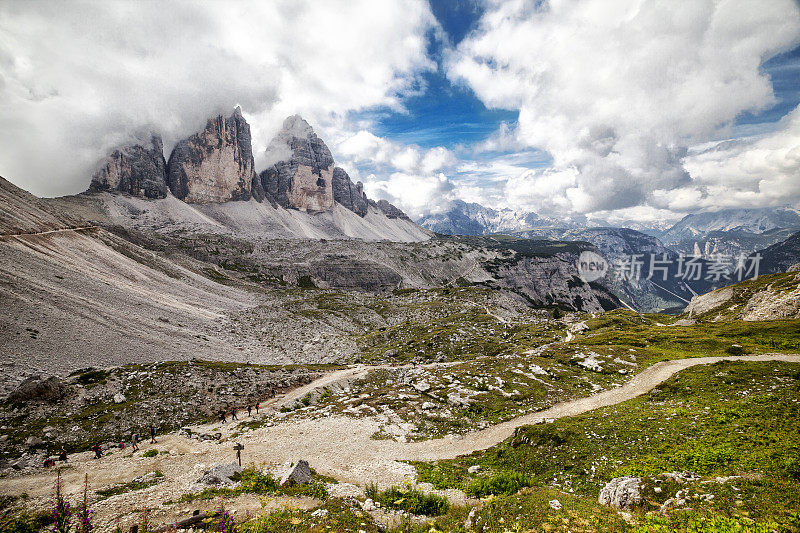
x=617, y=91
x=77, y=78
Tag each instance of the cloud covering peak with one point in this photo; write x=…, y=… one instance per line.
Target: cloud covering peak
x=77, y=78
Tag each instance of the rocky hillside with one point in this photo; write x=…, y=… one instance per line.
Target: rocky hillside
x=771, y=297
x=22, y=212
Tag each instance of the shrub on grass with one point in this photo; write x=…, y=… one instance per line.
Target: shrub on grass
x=500, y=483
x=414, y=501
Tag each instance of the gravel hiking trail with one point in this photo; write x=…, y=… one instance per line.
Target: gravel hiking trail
x=336, y=446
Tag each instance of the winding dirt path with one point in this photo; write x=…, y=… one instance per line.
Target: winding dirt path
x=334, y=445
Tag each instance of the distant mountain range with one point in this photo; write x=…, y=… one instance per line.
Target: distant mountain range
x=730, y=231
x=759, y=220
x=474, y=219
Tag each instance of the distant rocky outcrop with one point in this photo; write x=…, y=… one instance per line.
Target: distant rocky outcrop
x=139, y=170
x=214, y=165
x=389, y=210
x=350, y=195
x=770, y=297
x=300, y=172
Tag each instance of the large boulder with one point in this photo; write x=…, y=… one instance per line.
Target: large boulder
x=139, y=169
x=299, y=174
x=621, y=493
x=298, y=473
x=220, y=474
x=39, y=388
x=214, y=165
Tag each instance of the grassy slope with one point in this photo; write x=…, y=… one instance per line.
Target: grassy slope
x=722, y=419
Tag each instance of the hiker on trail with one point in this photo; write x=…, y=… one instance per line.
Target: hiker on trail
x=257, y=407
x=63, y=455
x=122, y=445
x=222, y=416
x=49, y=462
x=233, y=414
x=135, y=441
x=153, y=435
x=249, y=410
x=98, y=451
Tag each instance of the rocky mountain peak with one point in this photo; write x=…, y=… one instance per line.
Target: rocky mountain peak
x=296, y=126
x=301, y=174
x=300, y=169
x=137, y=169
x=214, y=165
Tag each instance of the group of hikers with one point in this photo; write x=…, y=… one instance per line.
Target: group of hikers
x=98, y=448
x=135, y=438
x=223, y=414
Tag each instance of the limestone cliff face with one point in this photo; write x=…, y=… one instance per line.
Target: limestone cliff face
x=139, y=170
x=350, y=195
x=301, y=175
x=300, y=171
x=214, y=165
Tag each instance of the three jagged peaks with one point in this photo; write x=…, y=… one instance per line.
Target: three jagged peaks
x=217, y=165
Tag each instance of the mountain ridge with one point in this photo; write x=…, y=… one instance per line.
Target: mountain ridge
x=216, y=165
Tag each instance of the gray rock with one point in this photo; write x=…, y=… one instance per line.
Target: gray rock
x=148, y=477
x=214, y=165
x=422, y=386
x=621, y=493
x=119, y=398
x=369, y=505
x=300, y=169
x=469, y=523
x=474, y=469
x=456, y=400
x=220, y=474
x=427, y=406
x=38, y=388
x=139, y=170
x=300, y=473
x=33, y=442
x=555, y=505
x=681, y=477
x=389, y=210
x=349, y=195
